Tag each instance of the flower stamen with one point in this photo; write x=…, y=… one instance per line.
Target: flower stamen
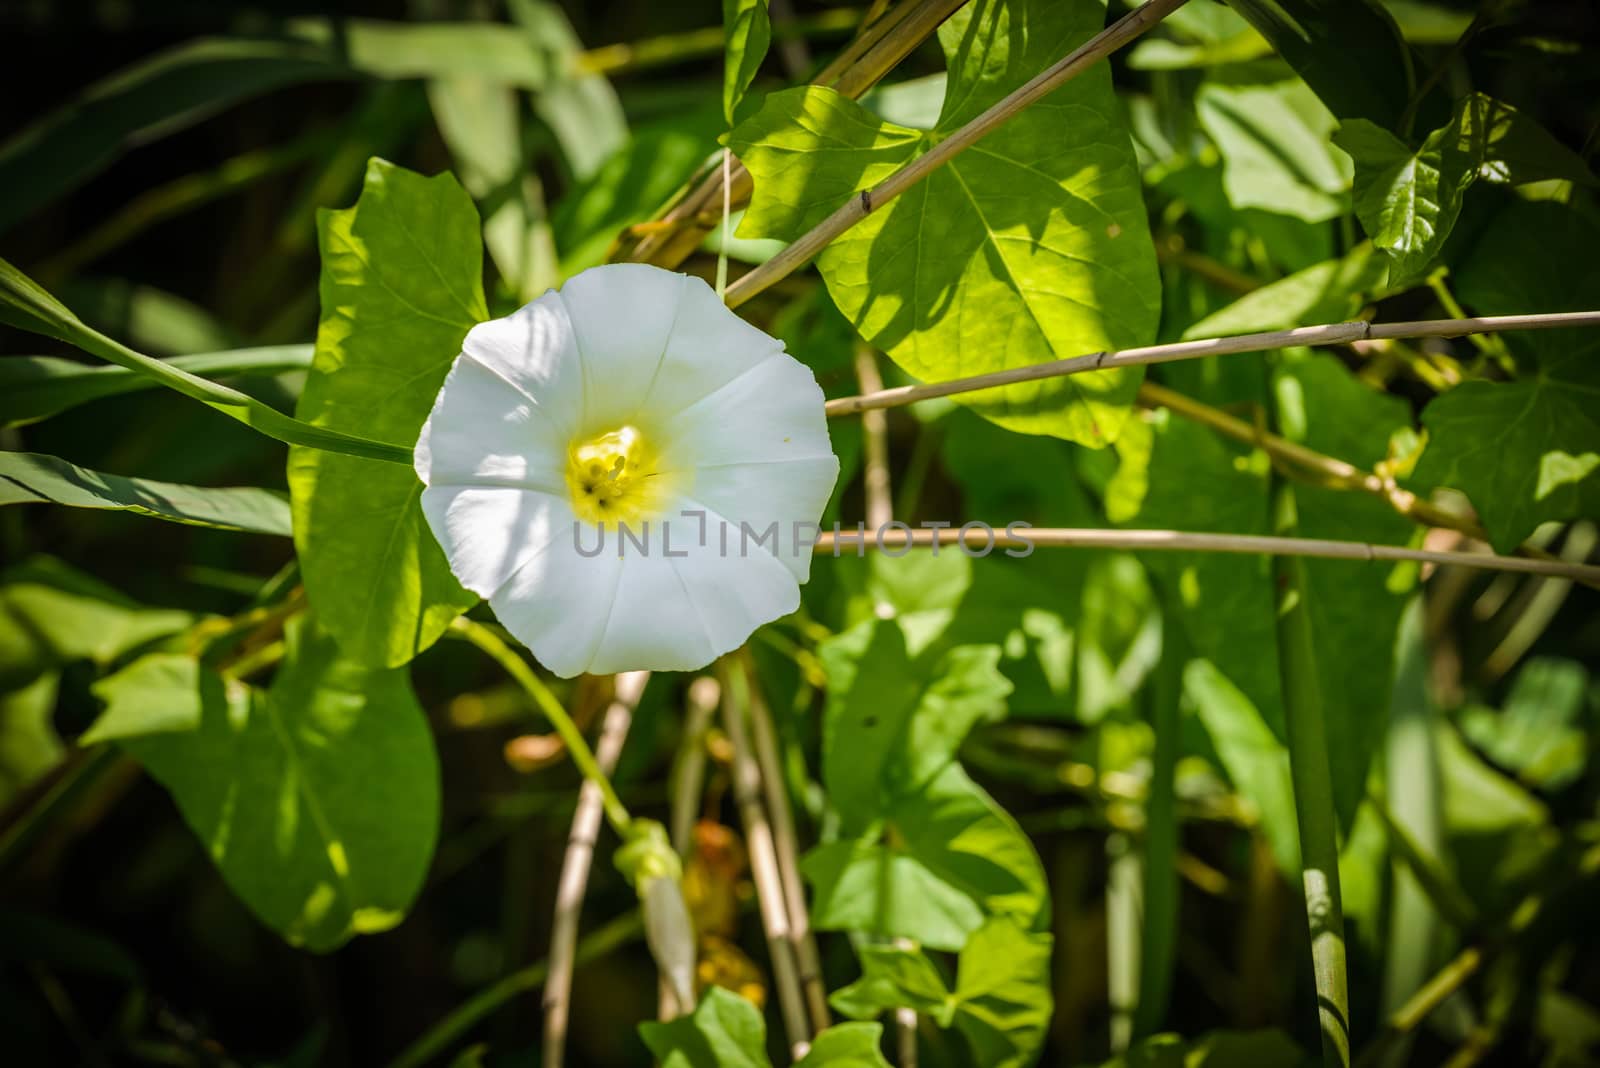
x=613, y=478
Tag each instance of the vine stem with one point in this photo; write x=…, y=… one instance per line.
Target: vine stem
x=859, y=207
x=764, y=868
x=1313, y=336
x=988, y=538
x=1314, y=809
x=582, y=756
x=574, y=878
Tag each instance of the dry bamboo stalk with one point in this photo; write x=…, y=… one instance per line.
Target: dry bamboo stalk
x=875, y=442
x=764, y=870
x=986, y=538
x=787, y=842
x=574, y=878
x=1326, y=334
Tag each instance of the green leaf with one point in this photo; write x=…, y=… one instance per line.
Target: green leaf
x=1273, y=138
x=946, y=858
x=724, y=1031
x=1540, y=732
x=400, y=289
x=52, y=615
x=1001, y=1002
x=36, y=387
x=1348, y=51
x=582, y=110
x=28, y=478
x=846, y=1045
x=318, y=799
x=1408, y=201
x=1007, y=255
x=1525, y=452
x=748, y=30
x=892, y=725
x=1330, y=291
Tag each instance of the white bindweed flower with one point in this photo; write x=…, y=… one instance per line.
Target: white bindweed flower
x=609, y=466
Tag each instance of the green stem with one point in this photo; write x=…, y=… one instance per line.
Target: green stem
x=618, y=932
x=1157, y=948
x=1314, y=808
x=489, y=642
x=25, y=305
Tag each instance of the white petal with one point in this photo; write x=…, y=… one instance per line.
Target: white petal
x=482, y=430
x=681, y=613
x=772, y=412
x=622, y=315
x=535, y=350
x=559, y=602
x=710, y=346
x=488, y=532
x=785, y=492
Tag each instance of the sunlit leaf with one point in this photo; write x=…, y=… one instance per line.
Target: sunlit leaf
x=748, y=28
x=724, y=1031
x=1005, y=256
x=1273, y=137
x=31, y=478
x=401, y=286
x=317, y=799
x=1000, y=1003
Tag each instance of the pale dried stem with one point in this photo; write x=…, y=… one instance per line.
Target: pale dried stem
x=1189, y=541
x=1314, y=336
x=764, y=869
x=875, y=442
x=787, y=844
x=574, y=878
x=859, y=207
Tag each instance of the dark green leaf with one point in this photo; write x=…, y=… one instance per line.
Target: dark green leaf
x=1540, y=732
x=1527, y=451
x=1348, y=51
x=401, y=286
x=318, y=799
x=30, y=478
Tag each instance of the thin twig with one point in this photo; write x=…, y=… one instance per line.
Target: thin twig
x=689, y=767
x=983, y=538
x=1326, y=334
x=859, y=207
x=882, y=44
x=574, y=879
x=764, y=864
x=787, y=843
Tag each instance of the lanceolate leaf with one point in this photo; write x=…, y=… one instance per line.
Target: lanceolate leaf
x=37, y=387
x=401, y=286
x=318, y=799
x=1527, y=451
x=1030, y=246
x=28, y=478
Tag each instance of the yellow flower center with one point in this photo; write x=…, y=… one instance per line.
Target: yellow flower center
x=616, y=478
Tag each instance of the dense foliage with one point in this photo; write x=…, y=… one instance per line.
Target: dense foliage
x=276, y=789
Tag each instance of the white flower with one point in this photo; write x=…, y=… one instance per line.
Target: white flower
x=630, y=408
